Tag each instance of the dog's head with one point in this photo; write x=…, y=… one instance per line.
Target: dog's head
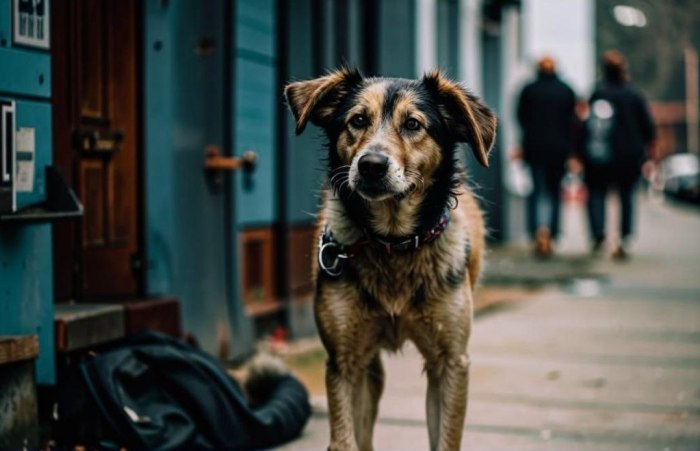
x=389, y=137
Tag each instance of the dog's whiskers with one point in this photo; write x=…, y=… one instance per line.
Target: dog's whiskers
x=345, y=185
x=338, y=184
x=417, y=180
x=337, y=178
x=339, y=170
x=336, y=172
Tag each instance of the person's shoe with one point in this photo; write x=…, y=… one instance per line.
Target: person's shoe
x=620, y=253
x=543, y=243
x=597, y=245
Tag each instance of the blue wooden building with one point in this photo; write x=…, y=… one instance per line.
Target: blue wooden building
x=157, y=180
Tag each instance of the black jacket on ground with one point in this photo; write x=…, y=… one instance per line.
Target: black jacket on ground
x=156, y=392
x=546, y=117
x=633, y=127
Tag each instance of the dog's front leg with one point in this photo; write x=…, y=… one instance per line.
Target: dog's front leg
x=354, y=376
x=353, y=388
x=432, y=407
x=442, y=339
x=368, y=390
x=339, y=390
x=454, y=386
x=353, y=393
x=446, y=399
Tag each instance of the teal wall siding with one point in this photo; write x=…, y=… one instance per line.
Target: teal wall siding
x=447, y=29
x=158, y=130
x=25, y=72
x=397, y=38
x=255, y=109
x=26, y=290
x=26, y=276
x=304, y=160
x=255, y=25
x=189, y=227
x=6, y=21
x=493, y=203
x=255, y=121
x=184, y=103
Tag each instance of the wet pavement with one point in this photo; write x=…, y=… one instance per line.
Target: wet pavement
x=591, y=354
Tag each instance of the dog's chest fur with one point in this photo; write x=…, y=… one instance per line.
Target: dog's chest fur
x=402, y=286
x=401, y=282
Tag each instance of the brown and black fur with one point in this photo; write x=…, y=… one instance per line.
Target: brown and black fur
x=383, y=299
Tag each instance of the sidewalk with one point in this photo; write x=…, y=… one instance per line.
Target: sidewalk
x=614, y=366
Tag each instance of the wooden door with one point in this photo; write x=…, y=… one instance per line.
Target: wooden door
x=96, y=142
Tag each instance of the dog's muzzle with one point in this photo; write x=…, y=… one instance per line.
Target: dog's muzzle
x=373, y=168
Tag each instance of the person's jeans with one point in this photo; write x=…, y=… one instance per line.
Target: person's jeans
x=598, y=185
x=544, y=203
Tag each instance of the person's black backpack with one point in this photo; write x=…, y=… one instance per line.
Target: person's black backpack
x=599, y=132
x=159, y=393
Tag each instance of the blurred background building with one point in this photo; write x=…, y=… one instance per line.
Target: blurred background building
x=661, y=41
x=159, y=181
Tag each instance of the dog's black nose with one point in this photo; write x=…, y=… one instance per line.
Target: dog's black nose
x=373, y=165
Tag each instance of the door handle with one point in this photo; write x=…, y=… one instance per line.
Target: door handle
x=98, y=142
x=214, y=161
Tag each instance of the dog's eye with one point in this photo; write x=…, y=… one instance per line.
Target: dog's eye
x=411, y=124
x=359, y=121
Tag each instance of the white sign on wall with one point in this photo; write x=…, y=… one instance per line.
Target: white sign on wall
x=31, y=23
x=25, y=143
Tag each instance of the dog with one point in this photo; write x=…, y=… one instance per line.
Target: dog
x=401, y=240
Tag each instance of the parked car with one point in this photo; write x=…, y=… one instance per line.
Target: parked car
x=680, y=177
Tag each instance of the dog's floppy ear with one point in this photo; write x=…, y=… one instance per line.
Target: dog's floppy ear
x=316, y=99
x=469, y=119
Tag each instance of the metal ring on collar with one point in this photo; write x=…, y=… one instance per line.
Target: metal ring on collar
x=335, y=269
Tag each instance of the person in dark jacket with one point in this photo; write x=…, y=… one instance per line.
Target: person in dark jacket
x=546, y=115
x=618, y=135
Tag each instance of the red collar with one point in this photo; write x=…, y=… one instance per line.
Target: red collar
x=412, y=242
x=332, y=255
